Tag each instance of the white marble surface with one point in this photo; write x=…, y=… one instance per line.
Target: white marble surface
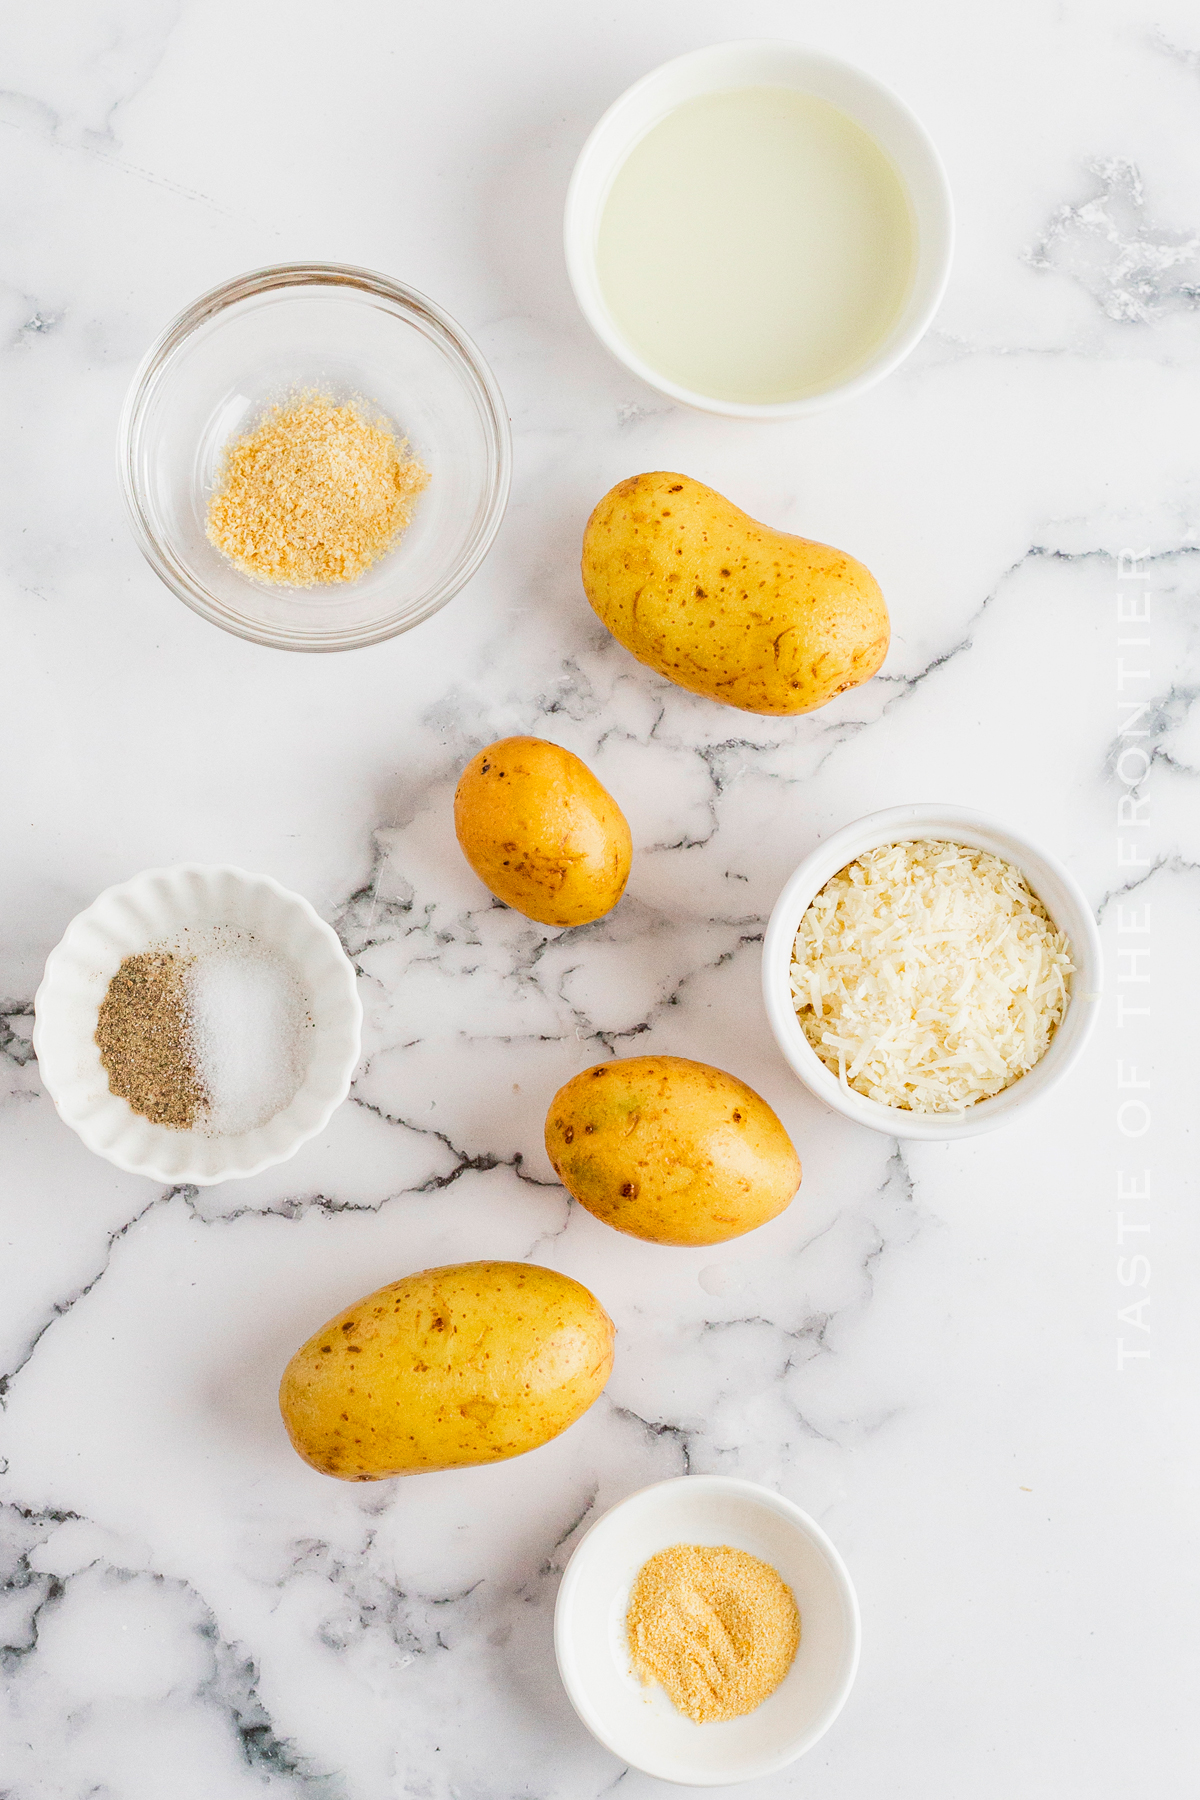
x=924, y=1350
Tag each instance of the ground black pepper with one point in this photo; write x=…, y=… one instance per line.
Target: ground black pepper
x=144, y=1036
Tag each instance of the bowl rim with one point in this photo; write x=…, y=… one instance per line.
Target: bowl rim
x=801, y=1522
x=956, y=824
x=58, y=958
x=175, y=574
x=579, y=247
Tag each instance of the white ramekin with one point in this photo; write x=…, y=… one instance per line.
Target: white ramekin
x=1054, y=886
x=640, y=1725
x=766, y=62
x=150, y=910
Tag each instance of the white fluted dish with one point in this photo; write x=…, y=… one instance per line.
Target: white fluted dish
x=151, y=910
x=640, y=1725
x=1054, y=886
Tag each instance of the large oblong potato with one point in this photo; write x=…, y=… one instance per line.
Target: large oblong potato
x=541, y=832
x=670, y=1150
x=727, y=607
x=466, y=1364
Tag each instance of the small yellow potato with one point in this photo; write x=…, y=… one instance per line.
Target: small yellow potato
x=727, y=607
x=467, y=1364
x=670, y=1150
x=541, y=832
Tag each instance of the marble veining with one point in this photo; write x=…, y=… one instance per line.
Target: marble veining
x=1136, y=270
x=924, y=1350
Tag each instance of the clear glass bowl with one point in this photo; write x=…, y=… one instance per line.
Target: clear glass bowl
x=347, y=332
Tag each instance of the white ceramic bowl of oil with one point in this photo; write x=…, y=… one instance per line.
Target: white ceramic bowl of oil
x=759, y=230
x=277, y=1001
x=640, y=1724
x=1054, y=886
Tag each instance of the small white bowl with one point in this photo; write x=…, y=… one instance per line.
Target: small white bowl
x=764, y=62
x=153, y=909
x=1054, y=886
x=639, y=1724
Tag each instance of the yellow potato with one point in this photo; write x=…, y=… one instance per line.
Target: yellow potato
x=540, y=831
x=670, y=1150
x=724, y=606
x=466, y=1364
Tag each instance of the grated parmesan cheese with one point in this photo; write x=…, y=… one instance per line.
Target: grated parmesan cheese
x=928, y=976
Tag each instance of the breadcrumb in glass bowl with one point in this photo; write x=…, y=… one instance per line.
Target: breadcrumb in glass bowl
x=316, y=493
x=357, y=339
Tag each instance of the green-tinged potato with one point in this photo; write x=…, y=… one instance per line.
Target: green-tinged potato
x=670, y=1150
x=724, y=606
x=467, y=1364
x=540, y=831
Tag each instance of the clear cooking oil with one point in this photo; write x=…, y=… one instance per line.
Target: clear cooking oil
x=756, y=245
